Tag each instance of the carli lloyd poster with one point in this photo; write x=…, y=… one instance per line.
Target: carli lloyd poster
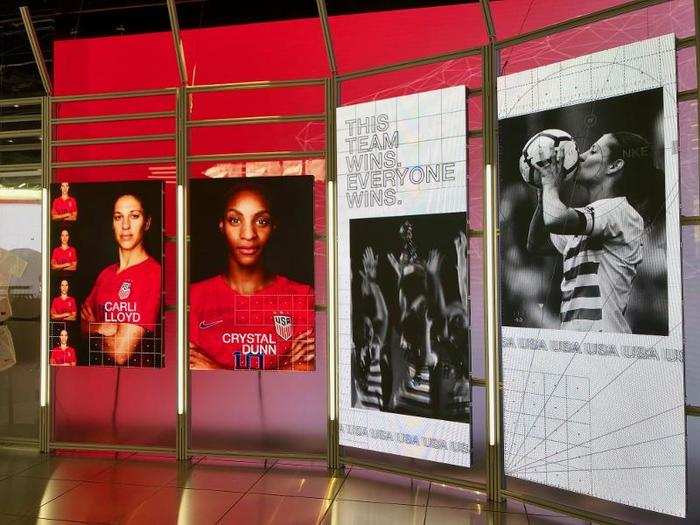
x=403, y=276
x=592, y=335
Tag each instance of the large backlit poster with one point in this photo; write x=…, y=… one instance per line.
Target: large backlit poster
x=252, y=273
x=592, y=337
x=106, y=286
x=403, y=276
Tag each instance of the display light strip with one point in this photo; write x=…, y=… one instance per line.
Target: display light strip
x=491, y=324
x=331, y=314
x=181, y=306
x=44, y=337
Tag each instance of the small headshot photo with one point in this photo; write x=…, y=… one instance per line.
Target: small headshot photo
x=63, y=306
x=64, y=257
x=63, y=354
x=64, y=207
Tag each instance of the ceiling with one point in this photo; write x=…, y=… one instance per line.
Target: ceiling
x=64, y=19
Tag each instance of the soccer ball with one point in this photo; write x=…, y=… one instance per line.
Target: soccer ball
x=537, y=151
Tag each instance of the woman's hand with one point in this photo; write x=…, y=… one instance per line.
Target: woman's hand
x=434, y=262
x=552, y=172
x=369, y=263
x=394, y=264
x=303, y=349
x=200, y=361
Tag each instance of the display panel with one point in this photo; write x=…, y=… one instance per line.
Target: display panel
x=106, y=285
x=592, y=337
x=403, y=276
x=252, y=272
x=20, y=311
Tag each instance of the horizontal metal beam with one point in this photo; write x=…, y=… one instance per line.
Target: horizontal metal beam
x=446, y=480
x=564, y=509
x=112, y=162
x=444, y=57
x=113, y=140
x=259, y=84
x=265, y=155
x=114, y=95
x=20, y=118
x=693, y=411
x=478, y=381
x=110, y=447
x=690, y=94
x=272, y=119
x=256, y=454
x=690, y=220
x=578, y=21
x=24, y=101
x=4, y=168
x=688, y=41
x=20, y=133
x=114, y=118
x=476, y=233
x=21, y=147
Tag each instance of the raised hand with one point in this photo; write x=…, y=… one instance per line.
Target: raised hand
x=434, y=262
x=369, y=263
x=552, y=172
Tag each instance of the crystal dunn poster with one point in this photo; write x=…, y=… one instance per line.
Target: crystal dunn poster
x=592, y=336
x=403, y=276
x=106, y=285
x=252, y=274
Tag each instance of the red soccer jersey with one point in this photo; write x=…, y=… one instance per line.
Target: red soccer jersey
x=131, y=296
x=61, y=256
x=62, y=356
x=64, y=306
x=249, y=332
x=60, y=206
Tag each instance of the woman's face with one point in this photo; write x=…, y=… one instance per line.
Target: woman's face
x=64, y=237
x=595, y=162
x=64, y=287
x=64, y=189
x=247, y=227
x=63, y=337
x=129, y=222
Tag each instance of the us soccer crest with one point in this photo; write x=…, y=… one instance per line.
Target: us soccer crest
x=125, y=290
x=283, y=326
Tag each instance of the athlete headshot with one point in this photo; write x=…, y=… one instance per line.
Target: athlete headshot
x=63, y=354
x=602, y=243
x=249, y=316
x=123, y=307
x=64, y=207
x=64, y=307
x=64, y=257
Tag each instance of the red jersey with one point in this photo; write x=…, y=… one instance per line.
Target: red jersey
x=64, y=306
x=62, y=356
x=60, y=206
x=131, y=296
x=61, y=256
x=249, y=332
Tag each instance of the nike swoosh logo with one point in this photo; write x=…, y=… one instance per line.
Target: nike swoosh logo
x=203, y=325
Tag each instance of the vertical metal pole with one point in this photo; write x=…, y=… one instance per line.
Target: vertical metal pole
x=696, y=8
x=44, y=369
x=183, y=368
x=332, y=275
x=491, y=303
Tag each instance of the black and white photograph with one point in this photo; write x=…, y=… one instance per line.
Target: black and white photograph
x=582, y=217
x=410, y=323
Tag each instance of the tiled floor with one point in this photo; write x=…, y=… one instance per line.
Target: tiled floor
x=143, y=489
